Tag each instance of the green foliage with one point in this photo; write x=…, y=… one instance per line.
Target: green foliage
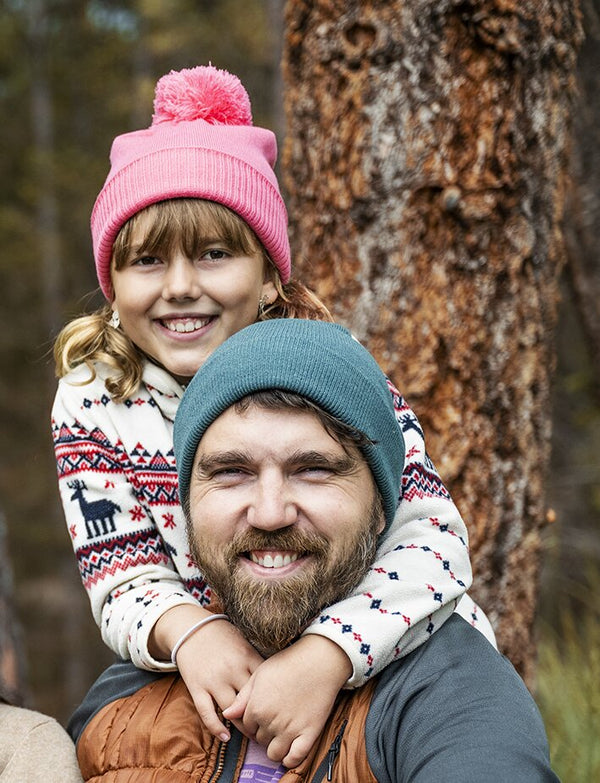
x=568, y=693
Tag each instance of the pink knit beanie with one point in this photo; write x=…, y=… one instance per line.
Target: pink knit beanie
x=201, y=144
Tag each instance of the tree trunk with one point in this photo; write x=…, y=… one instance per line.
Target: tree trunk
x=425, y=164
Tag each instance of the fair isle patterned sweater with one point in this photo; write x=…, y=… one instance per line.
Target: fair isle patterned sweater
x=118, y=485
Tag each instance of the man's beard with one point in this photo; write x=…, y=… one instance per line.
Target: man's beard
x=271, y=613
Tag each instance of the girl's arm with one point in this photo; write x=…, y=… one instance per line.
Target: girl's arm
x=421, y=571
x=122, y=513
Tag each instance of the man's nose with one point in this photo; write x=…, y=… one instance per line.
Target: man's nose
x=273, y=505
x=181, y=279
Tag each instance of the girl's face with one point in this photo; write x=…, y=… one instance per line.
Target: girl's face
x=177, y=305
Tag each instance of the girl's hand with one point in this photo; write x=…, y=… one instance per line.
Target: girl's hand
x=288, y=698
x=215, y=662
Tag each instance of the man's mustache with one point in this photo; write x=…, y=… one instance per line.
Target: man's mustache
x=292, y=540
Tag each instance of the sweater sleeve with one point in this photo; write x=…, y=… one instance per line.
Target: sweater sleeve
x=126, y=564
x=456, y=711
x=421, y=571
x=35, y=748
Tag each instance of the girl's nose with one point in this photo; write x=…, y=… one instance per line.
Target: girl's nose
x=181, y=279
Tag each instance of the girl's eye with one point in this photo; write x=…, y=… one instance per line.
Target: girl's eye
x=215, y=254
x=146, y=261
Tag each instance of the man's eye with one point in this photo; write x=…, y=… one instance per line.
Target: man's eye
x=315, y=470
x=228, y=474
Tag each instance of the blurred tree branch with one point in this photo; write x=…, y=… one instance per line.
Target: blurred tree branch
x=12, y=680
x=582, y=219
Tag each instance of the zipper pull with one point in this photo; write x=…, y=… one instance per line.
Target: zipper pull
x=334, y=750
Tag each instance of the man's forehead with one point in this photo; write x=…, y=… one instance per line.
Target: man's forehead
x=235, y=422
x=266, y=430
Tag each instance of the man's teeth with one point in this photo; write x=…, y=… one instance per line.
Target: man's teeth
x=187, y=325
x=268, y=561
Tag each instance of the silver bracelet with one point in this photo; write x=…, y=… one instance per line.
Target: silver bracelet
x=193, y=630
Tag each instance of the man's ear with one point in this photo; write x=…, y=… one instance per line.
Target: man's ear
x=381, y=524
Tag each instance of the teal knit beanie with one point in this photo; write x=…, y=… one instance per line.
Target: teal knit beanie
x=317, y=360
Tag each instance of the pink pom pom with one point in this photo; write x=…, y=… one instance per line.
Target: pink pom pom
x=202, y=93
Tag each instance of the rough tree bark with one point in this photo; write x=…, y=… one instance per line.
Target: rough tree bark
x=425, y=165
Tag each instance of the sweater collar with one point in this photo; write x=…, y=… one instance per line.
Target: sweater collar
x=163, y=388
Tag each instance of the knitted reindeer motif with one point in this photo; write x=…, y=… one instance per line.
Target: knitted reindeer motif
x=99, y=512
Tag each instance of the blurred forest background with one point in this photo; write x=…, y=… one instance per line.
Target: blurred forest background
x=73, y=74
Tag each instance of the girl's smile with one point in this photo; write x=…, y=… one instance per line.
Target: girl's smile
x=186, y=324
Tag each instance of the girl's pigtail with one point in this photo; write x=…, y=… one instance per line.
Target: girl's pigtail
x=91, y=338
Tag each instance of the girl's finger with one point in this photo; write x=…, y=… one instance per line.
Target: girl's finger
x=238, y=705
x=209, y=717
x=297, y=752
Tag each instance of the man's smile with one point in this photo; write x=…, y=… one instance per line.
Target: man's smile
x=274, y=562
x=273, y=559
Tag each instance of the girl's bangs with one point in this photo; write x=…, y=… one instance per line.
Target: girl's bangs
x=186, y=224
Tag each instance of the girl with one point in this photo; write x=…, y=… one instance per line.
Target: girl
x=190, y=243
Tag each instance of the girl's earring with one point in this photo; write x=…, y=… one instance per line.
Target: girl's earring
x=263, y=303
x=114, y=319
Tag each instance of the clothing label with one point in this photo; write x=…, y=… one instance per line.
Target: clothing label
x=258, y=767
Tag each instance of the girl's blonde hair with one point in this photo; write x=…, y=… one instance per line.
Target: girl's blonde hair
x=177, y=223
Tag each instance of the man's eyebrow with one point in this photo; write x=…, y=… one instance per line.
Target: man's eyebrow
x=339, y=463
x=221, y=459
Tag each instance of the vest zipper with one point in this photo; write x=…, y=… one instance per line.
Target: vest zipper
x=334, y=751
x=327, y=763
x=220, y=763
x=228, y=755
x=329, y=760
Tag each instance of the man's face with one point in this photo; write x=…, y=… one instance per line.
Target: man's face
x=283, y=519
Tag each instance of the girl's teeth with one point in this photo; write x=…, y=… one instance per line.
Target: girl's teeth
x=189, y=325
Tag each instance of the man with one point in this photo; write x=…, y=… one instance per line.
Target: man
x=289, y=468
